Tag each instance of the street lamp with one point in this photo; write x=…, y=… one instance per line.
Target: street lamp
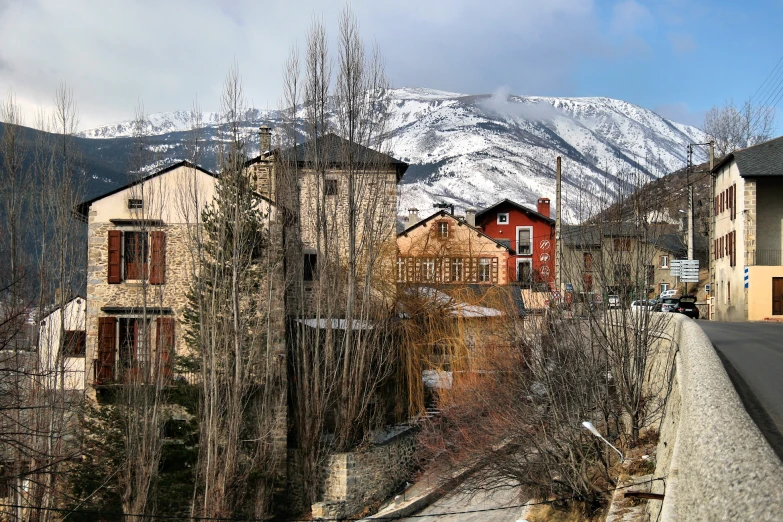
x=589, y=426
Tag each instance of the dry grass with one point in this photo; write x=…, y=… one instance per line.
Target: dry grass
x=574, y=513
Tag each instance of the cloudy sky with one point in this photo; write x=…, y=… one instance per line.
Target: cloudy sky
x=677, y=57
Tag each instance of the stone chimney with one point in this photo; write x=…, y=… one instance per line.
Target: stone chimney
x=470, y=217
x=413, y=216
x=543, y=207
x=264, y=138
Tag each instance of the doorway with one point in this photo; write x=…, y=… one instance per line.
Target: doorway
x=777, y=296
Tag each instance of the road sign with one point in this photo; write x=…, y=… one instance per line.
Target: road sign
x=569, y=287
x=747, y=277
x=685, y=269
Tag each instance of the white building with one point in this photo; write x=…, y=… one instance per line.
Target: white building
x=61, y=346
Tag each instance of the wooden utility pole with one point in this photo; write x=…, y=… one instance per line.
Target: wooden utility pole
x=558, y=245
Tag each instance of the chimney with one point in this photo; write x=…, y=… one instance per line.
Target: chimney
x=413, y=216
x=543, y=207
x=264, y=138
x=470, y=217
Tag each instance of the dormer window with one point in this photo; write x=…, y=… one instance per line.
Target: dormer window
x=135, y=204
x=503, y=218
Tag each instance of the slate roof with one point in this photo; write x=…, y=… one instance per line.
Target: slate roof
x=522, y=208
x=335, y=149
x=587, y=236
x=764, y=159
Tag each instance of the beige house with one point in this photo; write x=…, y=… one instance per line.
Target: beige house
x=444, y=249
x=139, y=267
x=62, y=346
x=747, y=239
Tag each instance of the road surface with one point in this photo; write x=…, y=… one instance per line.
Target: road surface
x=457, y=501
x=752, y=354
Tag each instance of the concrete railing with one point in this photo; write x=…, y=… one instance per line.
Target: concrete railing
x=716, y=463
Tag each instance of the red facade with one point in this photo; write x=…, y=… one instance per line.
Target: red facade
x=530, y=234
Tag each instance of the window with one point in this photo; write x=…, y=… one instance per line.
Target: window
x=525, y=272
x=136, y=255
x=134, y=204
x=664, y=262
x=310, y=267
x=401, y=269
x=622, y=244
x=457, y=273
x=524, y=241
x=443, y=230
x=74, y=343
x=134, y=343
x=503, y=218
x=485, y=270
x=588, y=260
x=330, y=187
x=587, y=282
x=136, y=250
x=663, y=287
x=622, y=274
x=428, y=269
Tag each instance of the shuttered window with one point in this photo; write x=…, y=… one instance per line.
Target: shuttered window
x=158, y=258
x=164, y=344
x=137, y=255
x=115, y=245
x=107, y=338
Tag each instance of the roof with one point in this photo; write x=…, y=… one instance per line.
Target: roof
x=334, y=151
x=519, y=207
x=764, y=159
x=444, y=213
x=585, y=236
x=83, y=207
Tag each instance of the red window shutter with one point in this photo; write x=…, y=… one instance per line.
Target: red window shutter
x=735, y=202
x=115, y=240
x=104, y=366
x=158, y=269
x=164, y=344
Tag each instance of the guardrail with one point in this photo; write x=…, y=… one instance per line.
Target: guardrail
x=716, y=463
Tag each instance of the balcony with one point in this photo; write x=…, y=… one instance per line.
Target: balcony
x=765, y=258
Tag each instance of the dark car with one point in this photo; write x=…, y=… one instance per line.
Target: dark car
x=667, y=304
x=687, y=306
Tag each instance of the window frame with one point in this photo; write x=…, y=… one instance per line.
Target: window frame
x=145, y=263
x=309, y=266
x=457, y=270
x=428, y=275
x=330, y=187
x=518, y=249
x=81, y=343
x=662, y=287
x=505, y=219
x=401, y=275
x=664, y=261
x=440, y=229
x=135, y=204
x=525, y=261
x=482, y=263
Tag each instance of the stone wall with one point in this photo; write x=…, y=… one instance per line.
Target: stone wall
x=716, y=462
x=357, y=479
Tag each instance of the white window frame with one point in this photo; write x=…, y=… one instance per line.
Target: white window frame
x=505, y=218
x=457, y=270
x=485, y=262
x=441, y=226
x=526, y=261
x=516, y=240
x=401, y=269
x=428, y=269
x=664, y=262
x=662, y=287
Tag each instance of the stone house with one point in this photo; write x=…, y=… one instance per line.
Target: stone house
x=139, y=270
x=747, y=234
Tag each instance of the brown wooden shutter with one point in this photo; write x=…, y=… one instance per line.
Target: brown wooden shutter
x=158, y=268
x=164, y=344
x=115, y=241
x=104, y=366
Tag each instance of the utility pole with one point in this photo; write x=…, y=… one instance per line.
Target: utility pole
x=558, y=243
x=690, y=203
x=710, y=256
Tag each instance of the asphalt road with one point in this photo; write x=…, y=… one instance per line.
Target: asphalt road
x=752, y=354
x=480, y=507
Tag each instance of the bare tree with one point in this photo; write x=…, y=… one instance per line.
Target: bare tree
x=733, y=127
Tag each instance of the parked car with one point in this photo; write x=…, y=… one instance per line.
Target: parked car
x=613, y=301
x=642, y=305
x=668, y=293
x=687, y=306
x=667, y=304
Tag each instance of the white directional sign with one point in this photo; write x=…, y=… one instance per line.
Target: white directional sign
x=686, y=269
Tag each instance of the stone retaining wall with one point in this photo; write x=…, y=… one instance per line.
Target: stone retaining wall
x=356, y=479
x=716, y=463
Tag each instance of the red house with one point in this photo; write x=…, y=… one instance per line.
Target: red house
x=531, y=236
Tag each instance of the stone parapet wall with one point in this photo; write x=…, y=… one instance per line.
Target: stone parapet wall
x=716, y=463
x=357, y=479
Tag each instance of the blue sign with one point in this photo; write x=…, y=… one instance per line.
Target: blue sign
x=746, y=277
x=569, y=287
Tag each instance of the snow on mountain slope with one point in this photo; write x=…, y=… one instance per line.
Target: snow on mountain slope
x=473, y=150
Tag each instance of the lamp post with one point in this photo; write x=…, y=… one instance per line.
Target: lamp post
x=589, y=426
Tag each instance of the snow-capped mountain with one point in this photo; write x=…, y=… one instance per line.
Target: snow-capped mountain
x=472, y=150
